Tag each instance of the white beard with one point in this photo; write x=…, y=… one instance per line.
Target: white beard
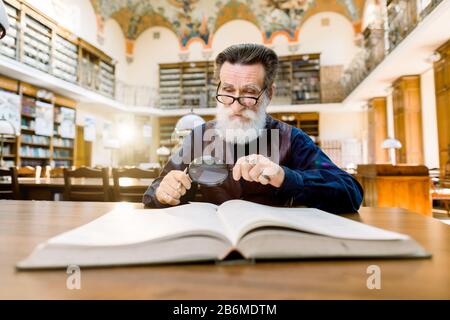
x=237, y=131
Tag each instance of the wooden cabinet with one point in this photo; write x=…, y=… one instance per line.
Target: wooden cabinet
x=401, y=186
x=408, y=119
x=377, y=128
x=442, y=87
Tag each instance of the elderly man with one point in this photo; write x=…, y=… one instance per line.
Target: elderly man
x=299, y=174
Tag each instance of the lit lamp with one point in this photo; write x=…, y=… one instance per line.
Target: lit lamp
x=163, y=154
x=7, y=130
x=391, y=144
x=185, y=125
x=112, y=144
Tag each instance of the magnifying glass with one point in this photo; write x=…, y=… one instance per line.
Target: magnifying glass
x=211, y=171
x=208, y=171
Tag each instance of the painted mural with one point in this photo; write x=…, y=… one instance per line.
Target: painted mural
x=197, y=20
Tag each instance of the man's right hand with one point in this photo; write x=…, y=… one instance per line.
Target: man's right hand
x=172, y=187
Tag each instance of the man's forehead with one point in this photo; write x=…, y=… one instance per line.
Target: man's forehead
x=242, y=75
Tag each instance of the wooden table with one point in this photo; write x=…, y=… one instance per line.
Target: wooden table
x=24, y=224
x=46, y=189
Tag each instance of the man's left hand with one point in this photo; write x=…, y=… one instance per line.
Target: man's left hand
x=258, y=168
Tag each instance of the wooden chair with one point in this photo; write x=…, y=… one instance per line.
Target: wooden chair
x=84, y=191
x=440, y=189
x=130, y=193
x=28, y=171
x=9, y=190
x=57, y=172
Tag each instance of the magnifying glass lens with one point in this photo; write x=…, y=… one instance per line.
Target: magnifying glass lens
x=208, y=171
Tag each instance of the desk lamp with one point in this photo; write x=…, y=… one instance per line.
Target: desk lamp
x=391, y=144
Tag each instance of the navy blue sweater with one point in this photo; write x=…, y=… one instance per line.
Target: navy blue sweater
x=311, y=179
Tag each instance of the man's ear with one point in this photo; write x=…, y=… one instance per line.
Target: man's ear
x=272, y=91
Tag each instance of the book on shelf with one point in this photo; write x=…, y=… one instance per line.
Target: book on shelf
x=207, y=232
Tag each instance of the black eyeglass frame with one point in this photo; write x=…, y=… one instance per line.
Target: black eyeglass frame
x=238, y=98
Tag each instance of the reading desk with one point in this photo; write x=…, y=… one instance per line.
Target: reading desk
x=24, y=224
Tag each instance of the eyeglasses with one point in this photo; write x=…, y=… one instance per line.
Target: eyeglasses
x=243, y=101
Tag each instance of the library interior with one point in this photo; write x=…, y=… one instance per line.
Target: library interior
x=98, y=99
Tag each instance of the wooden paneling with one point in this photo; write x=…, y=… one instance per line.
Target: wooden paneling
x=408, y=119
x=399, y=186
x=442, y=85
x=377, y=128
x=9, y=84
x=83, y=153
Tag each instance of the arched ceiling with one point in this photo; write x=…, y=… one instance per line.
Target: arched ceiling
x=198, y=19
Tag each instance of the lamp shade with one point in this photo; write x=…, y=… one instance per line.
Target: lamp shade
x=6, y=127
x=188, y=122
x=391, y=143
x=163, y=151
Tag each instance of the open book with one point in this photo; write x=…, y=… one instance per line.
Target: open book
x=203, y=231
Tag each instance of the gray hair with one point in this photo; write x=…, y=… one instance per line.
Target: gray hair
x=248, y=54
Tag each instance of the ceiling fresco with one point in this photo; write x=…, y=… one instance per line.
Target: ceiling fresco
x=197, y=20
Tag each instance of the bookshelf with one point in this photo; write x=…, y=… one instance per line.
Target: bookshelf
x=166, y=129
x=283, y=83
x=64, y=133
x=37, y=41
x=65, y=59
x=10, y=43
x=307, y=121
x=192, y=84
x=170, y=86
x=305, y=79
x=187, y=85
x=10, y=146
x=32, y=148
x=10, y=152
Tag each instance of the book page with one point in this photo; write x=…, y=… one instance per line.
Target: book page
x=128, y=226
x=241, y=216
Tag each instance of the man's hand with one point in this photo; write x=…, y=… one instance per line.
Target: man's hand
x=258, y=168
x=172, y=187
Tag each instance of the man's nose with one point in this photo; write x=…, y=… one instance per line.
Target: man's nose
x=236, y=107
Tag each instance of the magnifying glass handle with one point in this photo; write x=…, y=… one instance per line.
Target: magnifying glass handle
x=179, y=183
